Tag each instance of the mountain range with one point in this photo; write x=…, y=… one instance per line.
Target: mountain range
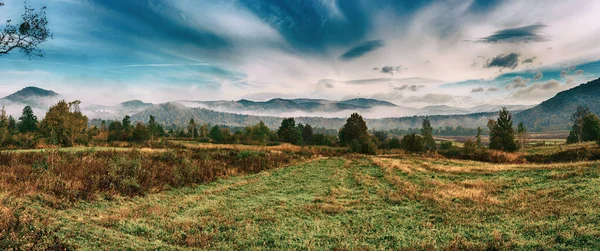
x=552, y=114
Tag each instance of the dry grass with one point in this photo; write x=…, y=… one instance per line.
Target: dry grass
x=73, y=176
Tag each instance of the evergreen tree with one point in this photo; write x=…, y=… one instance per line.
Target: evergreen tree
x=478, y=137
x=522, y=135
x=192, y=130
x=288, y=132
x=153, y=128
x=28, y=121
x=126, y=128
x=307, y=134
x=427, y=133
x=502, y=134
x=115, y=131
x=12, y=125
x=216, y=134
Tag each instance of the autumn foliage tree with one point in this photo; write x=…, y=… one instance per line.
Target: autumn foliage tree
x=63, y=123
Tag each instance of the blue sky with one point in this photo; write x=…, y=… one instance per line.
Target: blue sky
x=412, y=53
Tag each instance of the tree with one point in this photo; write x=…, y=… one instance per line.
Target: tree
x=412, y=143
x=577, y=119
x=590, y=128
x=502, y=135
x=354, y=129
x=216, y=134
x=381, y=138
x=61, y=125
x=288, y=132
x=140, y=133
x=192, y=130
x=522, y=135
x=572, y=138
x=27, y=35
x=115, y=131
x=28, y=121
x=427, y=133
x=478, y=137
x=307, y=134
x=12, y=124
x=126, y=129
x=154, y=129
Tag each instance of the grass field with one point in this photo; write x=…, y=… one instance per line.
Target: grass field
x=344, y=203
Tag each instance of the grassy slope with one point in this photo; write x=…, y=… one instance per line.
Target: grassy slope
x=351, y=204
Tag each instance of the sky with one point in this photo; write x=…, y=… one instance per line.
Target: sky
x=411, y=53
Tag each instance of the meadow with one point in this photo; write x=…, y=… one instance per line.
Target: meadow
x=225, y=197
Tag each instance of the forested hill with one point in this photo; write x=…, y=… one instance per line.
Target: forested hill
x=555, y=113
x=180, y=115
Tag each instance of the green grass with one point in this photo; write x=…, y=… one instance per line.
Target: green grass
x=351, y=203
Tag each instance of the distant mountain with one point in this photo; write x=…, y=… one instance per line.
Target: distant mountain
x=449, y=110
x=175, y=113
x=366, y=103
x=555, y=113
x=29, y=93
x=39, y=99
x=135, y=104
x=279, y=105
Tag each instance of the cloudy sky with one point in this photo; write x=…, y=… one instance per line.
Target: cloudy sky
x=412, y=53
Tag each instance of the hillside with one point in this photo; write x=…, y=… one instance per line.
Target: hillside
x=174, y=113
x=555, y=113
x=30, y=92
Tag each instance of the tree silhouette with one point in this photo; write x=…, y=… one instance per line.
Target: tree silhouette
x=27, y=35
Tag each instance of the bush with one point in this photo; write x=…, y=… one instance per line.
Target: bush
x=394, y=143
x=445, y=145
x=364, y=145
x=412, y=143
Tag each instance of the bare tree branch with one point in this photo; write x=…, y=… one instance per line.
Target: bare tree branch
x=26, y=36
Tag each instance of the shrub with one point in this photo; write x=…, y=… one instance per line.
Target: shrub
x=445, y=145
x=412, y=143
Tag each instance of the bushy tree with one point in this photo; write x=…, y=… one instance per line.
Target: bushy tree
x=216, y=134
x=502, y=134
x=590, y=128
x=61, y=125
x=288, y=132
x=577, y=119
x=192, y=129
x=259, y=133
x=307, y=134
x=140, y=133
x=394, y=143
x=427, y=133
x=354, y=129
x=28, y=121
x=412, y=143
x=115, y=131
